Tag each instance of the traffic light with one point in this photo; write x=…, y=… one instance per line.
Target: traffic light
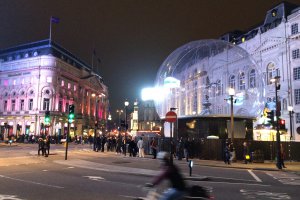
x=47, y=118
x=270, y=116
x=282, y=124
x=71, y=113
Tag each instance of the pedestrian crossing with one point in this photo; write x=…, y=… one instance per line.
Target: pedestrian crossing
x=285, y=178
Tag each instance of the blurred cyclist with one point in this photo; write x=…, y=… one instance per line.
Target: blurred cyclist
x=171, y=173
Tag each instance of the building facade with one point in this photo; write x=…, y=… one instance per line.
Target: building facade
x=275, y=46
x=43, y=76
x=196, y=77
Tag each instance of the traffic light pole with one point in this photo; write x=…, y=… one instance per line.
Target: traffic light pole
x=279, y=158
x=67, y=141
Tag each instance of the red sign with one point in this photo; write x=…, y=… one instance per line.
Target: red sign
x=171, y=116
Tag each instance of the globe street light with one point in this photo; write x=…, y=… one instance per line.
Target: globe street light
x=276, y=80
x=126, y=103
x=291, y=112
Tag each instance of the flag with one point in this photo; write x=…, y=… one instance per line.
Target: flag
x=55, y=20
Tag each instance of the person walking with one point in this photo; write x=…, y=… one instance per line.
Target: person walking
x=227, y=154
x=186, y=149
x=153, y=146
x=140, y=145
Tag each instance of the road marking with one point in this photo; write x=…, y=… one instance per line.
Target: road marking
x=70, y=167
x=95, y=178
x=9, y=197
x=254, y=176
x=44, y=170
x=32, y=182
x=257, y=194
x=221, y=182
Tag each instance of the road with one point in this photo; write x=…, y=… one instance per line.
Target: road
x=96, y=175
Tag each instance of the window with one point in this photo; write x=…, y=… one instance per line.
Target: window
x=49, y=79
x=296, y=73
x=272, y=72
x=295, y=54
x=297, y=96
x=46, y=104
x=30, y=104
x=232, y=81
x=252, y=80
x=5, y=106
x=62, y=83
x=294, y=29
x=242, y=81
x=13, y=105
x=60, y=105
x=67, y=108
x=297, y=118
x=22, y=104
x=74, y=87
x=69, y=85
x=218, y=88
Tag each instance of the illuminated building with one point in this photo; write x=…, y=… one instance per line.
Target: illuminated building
x=195, y=79
x=43, y=76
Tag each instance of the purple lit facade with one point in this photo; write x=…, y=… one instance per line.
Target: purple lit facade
x=43, y=76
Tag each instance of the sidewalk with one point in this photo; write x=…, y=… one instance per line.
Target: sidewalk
x=267, y=165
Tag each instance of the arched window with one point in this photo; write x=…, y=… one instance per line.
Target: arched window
x=284, y=104
x=272, y=72
x=242, y=81
x=218, y=88
x=232, y=81
x=252, y=79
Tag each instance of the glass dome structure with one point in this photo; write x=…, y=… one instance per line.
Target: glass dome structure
x=195, y=78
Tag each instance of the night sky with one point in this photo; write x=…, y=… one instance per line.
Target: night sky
x=132, y=38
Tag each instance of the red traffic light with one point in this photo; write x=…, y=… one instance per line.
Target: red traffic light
x=282, y=122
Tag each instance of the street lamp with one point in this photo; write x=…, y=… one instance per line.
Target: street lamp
x=231, y=93
x=291, y=112
x=126, y=103
x=276, y=80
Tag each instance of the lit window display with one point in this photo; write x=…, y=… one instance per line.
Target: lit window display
x=195, y=79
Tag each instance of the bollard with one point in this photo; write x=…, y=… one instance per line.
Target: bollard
x=191, y=166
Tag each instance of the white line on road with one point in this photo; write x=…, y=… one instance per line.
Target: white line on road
x=222, y=182
x=254, y=176
x=36, y=183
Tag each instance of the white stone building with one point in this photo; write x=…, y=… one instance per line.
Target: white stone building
x=275, y=46
x=43, y=76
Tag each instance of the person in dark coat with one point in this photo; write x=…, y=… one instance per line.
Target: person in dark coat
x=153, y=146
x=227, y=154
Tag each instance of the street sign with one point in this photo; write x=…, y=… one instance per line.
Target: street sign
x=171, y=116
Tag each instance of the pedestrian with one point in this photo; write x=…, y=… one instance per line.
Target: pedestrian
x=180, y=149
x=131, y=147
x=227, y=154
x=153, y=146
x=140, y=145
x=282, y=154
x=41, y=147
x=98, y=143
x=186, y=149
x=245, y=152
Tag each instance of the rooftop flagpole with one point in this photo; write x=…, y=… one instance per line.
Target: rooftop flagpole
x=52, y=20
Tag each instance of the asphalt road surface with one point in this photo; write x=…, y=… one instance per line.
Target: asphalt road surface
x=96, y=175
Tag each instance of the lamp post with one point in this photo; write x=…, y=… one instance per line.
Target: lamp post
x=276, y=80
x=126, y=103
x=231, y=93
x=291, y=112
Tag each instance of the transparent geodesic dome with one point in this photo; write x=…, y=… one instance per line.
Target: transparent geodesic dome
x=195, y=80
